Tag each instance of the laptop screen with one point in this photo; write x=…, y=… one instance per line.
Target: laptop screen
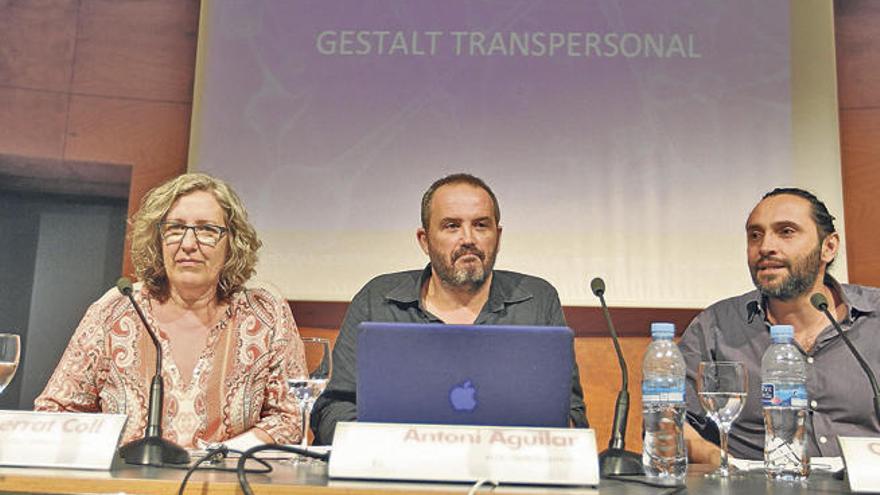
x=464, y=374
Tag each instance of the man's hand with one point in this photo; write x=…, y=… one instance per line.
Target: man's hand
x=700, y=451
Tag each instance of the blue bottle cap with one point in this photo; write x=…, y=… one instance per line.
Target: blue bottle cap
x=662, y=330
x=781, y=332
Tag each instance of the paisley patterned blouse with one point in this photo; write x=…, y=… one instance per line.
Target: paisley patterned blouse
x=239, y=381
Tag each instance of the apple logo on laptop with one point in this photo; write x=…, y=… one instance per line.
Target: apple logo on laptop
x=463, y=397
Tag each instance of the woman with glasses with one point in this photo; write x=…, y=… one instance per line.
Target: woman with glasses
x=227, y=350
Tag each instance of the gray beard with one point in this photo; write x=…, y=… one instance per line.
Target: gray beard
x=462, y=278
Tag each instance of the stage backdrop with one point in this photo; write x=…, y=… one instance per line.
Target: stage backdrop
x=626, y=139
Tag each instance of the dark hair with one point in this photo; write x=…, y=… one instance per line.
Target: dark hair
x=460, y=178
x=823, y=219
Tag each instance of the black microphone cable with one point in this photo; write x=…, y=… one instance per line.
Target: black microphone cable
x=214, y=455
x=250, y=454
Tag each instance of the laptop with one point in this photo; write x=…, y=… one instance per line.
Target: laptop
x=464, y=374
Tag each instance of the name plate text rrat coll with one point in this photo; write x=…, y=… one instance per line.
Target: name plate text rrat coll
x=59, y=440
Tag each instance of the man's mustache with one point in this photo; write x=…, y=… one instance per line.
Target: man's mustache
x=466, y=250
x=770, y=259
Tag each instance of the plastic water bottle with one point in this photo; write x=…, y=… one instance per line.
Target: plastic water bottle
x=664, y=453
x=784, y=396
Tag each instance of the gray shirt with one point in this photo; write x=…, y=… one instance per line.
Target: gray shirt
x=840, y=395
x=514, y=299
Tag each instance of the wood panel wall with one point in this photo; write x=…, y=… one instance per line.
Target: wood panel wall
x=857, y=36
x=99, y=81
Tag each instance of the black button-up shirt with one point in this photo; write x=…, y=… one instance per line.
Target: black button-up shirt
x=514, y=299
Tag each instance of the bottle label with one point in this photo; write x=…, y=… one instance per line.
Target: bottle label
x=784, y=395
x=651, y=393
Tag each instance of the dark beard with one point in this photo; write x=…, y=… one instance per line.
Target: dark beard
x=470, y=280
x=802, y=276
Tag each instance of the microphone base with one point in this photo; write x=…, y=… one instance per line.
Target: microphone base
x=153, y=451
x=619, y=462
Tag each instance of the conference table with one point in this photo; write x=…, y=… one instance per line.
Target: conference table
x=312, y=479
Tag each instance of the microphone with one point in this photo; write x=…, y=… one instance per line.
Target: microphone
x=152, y=449
x=616, y=460
x=753, y=310
x=819, y=302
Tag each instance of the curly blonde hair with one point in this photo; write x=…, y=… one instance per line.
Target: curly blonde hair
x=146, y=243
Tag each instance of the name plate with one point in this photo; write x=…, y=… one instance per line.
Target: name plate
x=862, y=458
x=534, y=456
x=59, y=440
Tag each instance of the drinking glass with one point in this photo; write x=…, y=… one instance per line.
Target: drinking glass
x=306, y=389
x=722, y=387
x=10, y=352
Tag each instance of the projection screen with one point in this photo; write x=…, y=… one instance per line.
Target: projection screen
x=626, y=139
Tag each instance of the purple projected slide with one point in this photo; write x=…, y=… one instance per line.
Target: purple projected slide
x=330, y=115
x=623, y=138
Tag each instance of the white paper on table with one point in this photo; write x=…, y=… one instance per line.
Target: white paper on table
x=828, y=464
x=862, y=456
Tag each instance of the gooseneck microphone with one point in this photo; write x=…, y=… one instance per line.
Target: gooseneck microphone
x=616, y=460
x=152, y=449
x=819, y=302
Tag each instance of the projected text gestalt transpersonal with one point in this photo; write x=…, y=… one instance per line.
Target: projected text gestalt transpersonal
x=506, y=44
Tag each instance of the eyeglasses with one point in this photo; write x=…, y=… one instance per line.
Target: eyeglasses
x=206, y=233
